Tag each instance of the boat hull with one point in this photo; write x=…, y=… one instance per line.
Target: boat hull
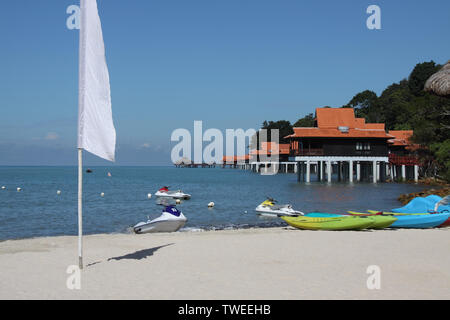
x=268, y=212
x=420, y=221
x=159, y=226
x=177, y=195
x=166, y=222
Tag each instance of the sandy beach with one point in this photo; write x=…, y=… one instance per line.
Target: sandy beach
x=275, y=263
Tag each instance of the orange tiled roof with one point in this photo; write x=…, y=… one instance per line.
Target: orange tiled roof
x=401, y=137
x=242, y=158
x=336, y=133
x=330, y=119
x=272, y=148
x=228, y=158
x=374, y=126
x=335, y=117
x=235, y=158
x=360, y=122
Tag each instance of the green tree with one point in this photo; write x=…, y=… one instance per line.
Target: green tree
x=306, y=121
x=419, y=75
x=365, y=104
x=284, y=127
x=442, y=153
x=405, y=106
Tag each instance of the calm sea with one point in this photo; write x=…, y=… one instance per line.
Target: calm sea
x=38, y=211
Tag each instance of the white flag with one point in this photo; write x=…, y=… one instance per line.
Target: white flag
x=96, y=132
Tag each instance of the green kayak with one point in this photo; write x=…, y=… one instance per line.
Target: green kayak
x=338, y=223
x=380, y=221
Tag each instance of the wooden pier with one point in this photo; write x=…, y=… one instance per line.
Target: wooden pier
x=195, y=165
x=186, y=163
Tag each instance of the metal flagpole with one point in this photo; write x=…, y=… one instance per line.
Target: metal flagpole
x=80, y=208
x=81, y=62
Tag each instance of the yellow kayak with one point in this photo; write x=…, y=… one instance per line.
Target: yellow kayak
x=338, y=223
x=390, y=213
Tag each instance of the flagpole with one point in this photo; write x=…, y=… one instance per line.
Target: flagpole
x=81, y=81
x=80, y=208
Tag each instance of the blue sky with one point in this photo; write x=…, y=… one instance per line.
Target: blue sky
x=232, y=64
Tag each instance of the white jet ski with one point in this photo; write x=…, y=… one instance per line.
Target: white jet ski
x=269, y=209
x=164, y=192
x=170, y=220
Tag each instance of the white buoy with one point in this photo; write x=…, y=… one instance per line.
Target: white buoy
x=102, y=194
x=149, y=195
x=3, y=187
x=58, y=192
x=19, y=189
x=211, y=204
x=178, y=201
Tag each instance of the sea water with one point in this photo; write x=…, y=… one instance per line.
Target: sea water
x=37, y=210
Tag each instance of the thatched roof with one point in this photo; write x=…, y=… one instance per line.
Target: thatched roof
x=439, y=83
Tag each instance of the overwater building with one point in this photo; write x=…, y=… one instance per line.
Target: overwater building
x=343, y=147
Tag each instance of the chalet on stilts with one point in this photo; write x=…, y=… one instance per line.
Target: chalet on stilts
x=404, y=164
x=272, y=154
x=236, y=161
x=341, y=147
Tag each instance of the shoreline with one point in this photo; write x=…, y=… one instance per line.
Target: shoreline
x=257, y=263
x=128, y=231
x=442, y=191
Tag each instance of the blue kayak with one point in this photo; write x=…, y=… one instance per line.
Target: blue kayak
x=420, y=221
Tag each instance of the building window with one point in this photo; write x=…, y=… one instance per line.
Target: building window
x=363, y=146
x=359, y=146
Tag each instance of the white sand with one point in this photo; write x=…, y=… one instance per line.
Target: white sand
x=276, y=263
